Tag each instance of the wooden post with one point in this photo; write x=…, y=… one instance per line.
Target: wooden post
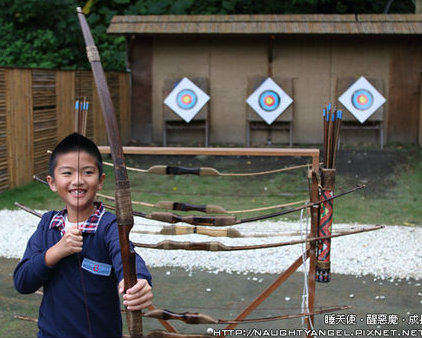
x=20, y=143
x=314, y=197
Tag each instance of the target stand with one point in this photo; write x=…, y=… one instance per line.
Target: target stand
x=283, y=123
x=187, y=99
x=375, y=122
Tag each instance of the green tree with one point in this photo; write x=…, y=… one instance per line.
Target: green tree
x=37, y=34
x=46, y=33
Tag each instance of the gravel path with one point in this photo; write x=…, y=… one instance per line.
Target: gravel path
x=389, y=253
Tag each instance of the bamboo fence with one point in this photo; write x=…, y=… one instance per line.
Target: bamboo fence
x=37, y=110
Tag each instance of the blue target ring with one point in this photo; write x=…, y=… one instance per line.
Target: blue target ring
x=269, y=100
x=362, y=99
x=186, y=99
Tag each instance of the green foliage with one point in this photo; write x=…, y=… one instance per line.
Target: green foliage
x=46, y=33
x=40, y=34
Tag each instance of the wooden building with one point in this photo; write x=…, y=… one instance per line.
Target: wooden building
x=316, y=54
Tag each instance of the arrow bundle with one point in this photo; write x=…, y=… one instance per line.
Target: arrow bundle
x=332, y=125
x=81, y=115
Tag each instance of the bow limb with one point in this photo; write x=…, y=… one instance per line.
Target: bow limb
x=123, y=197
x=218, y=246
x=200, y=318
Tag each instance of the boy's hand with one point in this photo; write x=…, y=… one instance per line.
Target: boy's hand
x=137, y=297
x=70, y=243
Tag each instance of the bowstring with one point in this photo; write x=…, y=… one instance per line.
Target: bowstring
x=81, y=274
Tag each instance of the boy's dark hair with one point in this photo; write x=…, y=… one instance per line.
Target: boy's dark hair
x=75, y=142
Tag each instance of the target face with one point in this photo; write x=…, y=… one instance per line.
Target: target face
x=186, y=99
x=362, y=99
x=269, y=101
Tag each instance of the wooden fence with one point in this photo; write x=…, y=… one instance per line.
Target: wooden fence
x=37, y=110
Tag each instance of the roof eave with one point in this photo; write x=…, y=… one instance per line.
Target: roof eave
x=380, y=24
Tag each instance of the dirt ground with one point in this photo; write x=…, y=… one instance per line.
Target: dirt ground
x=374, y=168
x=374, y=302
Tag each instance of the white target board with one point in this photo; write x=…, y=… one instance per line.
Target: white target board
x=269, y=101
x=186, y=99
x=362, y=99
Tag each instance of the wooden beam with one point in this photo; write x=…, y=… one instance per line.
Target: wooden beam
x=313, y=153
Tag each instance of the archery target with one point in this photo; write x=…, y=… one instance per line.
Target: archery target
x=269, y=101
x=362, y=99
x=186, y=99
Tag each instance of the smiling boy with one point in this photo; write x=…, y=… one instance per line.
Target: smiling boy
x=75, y=255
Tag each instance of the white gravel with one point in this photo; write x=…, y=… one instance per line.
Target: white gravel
x=392, y=252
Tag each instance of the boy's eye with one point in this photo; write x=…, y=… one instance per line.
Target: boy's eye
x=89, y=172
x=66, y=173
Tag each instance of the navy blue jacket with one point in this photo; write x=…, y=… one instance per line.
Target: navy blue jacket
x=80, y=292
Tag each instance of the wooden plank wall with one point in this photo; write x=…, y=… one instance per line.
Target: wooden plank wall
x=65, y=94
x=37, y=108
x=85, y=88
x=44, y=112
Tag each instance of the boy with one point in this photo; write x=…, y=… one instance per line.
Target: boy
x=75, y=253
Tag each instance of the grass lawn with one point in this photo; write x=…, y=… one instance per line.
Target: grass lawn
x=393, y=178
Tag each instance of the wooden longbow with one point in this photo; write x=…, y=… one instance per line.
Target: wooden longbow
x=123, y=196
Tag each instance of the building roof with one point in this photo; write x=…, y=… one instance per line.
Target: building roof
x=267, y=24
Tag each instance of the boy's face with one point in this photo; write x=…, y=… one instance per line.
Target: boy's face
x=77, y=180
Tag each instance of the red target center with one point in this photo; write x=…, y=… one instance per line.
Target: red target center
x=269, y=101
x=186, y=99
x=362, y=99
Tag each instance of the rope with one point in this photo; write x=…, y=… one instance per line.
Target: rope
x=78, y=255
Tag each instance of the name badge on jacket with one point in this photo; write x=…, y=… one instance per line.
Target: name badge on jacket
x=96, y=268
